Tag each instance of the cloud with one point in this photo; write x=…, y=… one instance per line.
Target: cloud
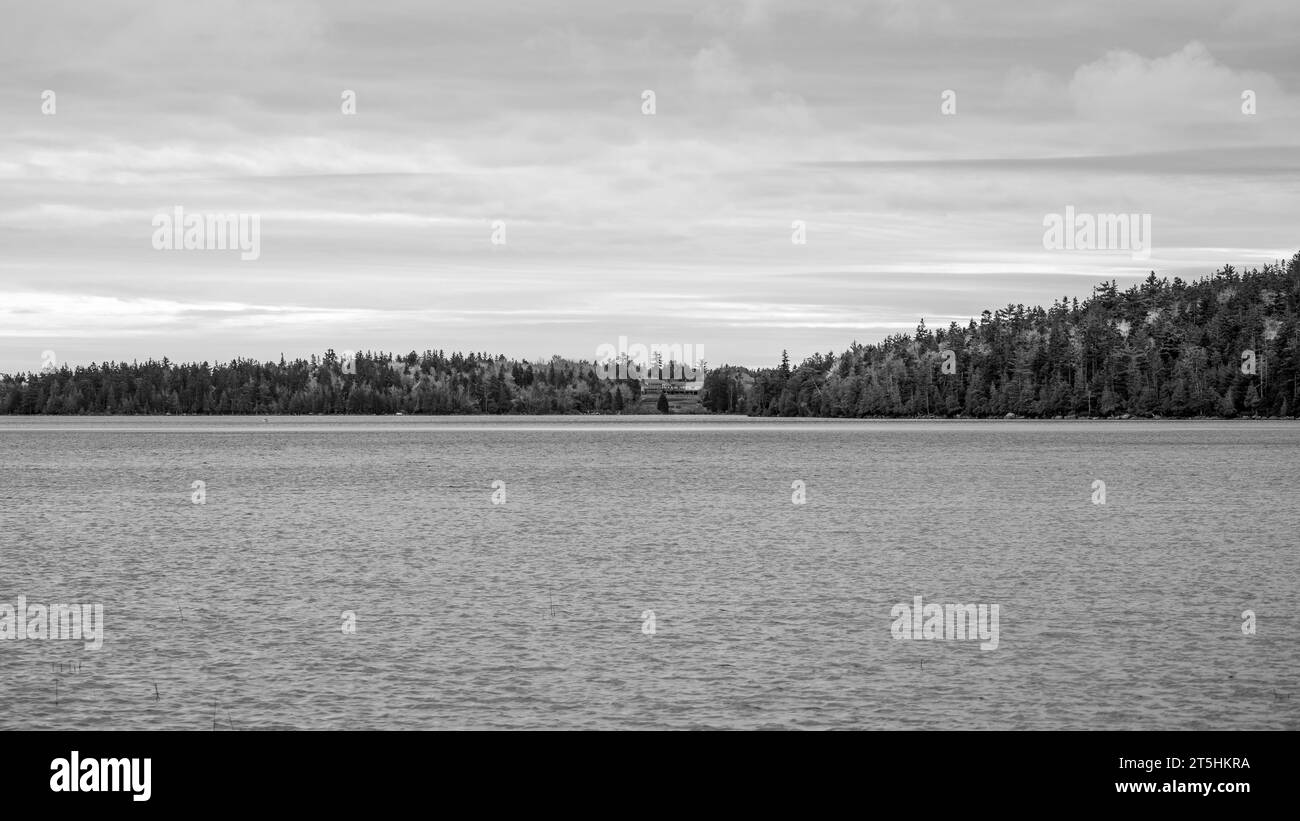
x=1033, y=89
x=1187, y=86
x=914, y=16
x=717, y=71
x=768, y=111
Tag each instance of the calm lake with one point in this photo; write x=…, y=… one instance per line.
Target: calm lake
x=500, y=571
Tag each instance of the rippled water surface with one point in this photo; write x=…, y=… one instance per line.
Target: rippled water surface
x=768, y=614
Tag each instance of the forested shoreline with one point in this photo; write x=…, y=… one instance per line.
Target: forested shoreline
x=1225, y=345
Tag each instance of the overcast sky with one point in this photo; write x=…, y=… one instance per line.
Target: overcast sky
x=675, y=227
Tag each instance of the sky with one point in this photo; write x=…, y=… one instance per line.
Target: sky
x=503, y=186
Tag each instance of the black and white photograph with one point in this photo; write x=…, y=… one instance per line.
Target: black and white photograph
x=374, y=370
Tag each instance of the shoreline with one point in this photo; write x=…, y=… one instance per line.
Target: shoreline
x=643, y=417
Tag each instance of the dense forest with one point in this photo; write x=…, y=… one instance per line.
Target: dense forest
x=1226, y=345
x=367, y=383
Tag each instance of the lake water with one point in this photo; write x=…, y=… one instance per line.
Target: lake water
x=767, y=614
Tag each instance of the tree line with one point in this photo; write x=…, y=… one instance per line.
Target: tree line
x=1224, y=345
x=367, y=383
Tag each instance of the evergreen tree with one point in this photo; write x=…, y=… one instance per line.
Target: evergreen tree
x=1177, y=349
